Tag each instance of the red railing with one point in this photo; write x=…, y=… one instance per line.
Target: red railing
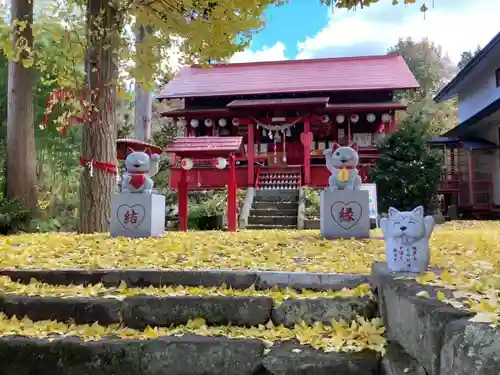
x=449, y=181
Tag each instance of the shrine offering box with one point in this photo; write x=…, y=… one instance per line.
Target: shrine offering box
x=344, y=214
x=137, y=215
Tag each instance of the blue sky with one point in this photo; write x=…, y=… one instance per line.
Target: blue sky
x=305, y=29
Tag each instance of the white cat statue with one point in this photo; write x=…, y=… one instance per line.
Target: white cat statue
x=342, y=162
x=140, y=167
x=407, y=237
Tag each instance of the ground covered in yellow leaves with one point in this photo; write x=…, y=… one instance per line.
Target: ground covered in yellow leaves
x=462, y=247
x=341, y=336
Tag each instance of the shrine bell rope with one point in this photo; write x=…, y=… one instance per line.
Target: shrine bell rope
x=277, y=129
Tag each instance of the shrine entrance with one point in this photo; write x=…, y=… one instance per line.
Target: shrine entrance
x=212, y=155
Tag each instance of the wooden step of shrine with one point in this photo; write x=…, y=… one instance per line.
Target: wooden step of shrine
x=279, y=179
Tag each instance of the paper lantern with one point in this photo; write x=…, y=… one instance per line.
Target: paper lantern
x=222, y=122
x=187, y=164
x=370, y=117
x=354, y=118
x=340, y=119
x=236, y=122
x=220, y=163
x=194, y=123
x=325, y=119
x=208, y=122
x=386, y=117
x=182, y=122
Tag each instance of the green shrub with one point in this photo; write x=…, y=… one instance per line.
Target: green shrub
x=407, y=172
x=312, y=203
x=12, y=215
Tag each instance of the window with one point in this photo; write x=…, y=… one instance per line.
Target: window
x=497, y=76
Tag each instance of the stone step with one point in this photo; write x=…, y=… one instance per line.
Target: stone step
x=273, y=212
x=276, y=196
x=260, y=280
x=276, y=199
x=138, y=312
x=270, y=227
x=195, y=355
x=273, y=220
x=275, y=205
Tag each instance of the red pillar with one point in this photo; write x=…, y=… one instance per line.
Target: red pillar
x=182, y=196
x=307, y=153
x=231, y=195
x=348, y=130
x=250, y=155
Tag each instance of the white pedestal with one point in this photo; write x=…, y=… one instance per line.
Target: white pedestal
x=137, y=215
x=344, y=214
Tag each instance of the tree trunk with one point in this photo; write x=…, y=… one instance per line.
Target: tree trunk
x=99, y=135
x=21, y=152
x=143, y=100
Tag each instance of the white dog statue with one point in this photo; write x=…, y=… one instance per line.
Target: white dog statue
x=407, y=236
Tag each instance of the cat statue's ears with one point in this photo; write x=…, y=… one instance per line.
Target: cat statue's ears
x=131, y=150
x=392, y=212
x=419, y=211
x=353, y=145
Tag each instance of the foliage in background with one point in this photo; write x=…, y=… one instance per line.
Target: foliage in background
x=467, y=56
x=432, y=69
x=312, y=203
x=407, y=172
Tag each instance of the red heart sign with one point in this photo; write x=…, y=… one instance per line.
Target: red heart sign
x=346, y=215
x=130, y=217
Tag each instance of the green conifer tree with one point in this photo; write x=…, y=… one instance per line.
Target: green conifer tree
x=407, y=172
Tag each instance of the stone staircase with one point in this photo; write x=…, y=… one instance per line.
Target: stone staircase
x=274, y=209
x=110, y=334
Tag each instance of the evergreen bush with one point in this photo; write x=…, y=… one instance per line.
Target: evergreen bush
x=407, y=172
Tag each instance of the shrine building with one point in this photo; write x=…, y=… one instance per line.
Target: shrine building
x=287, y=113
x=273, y=120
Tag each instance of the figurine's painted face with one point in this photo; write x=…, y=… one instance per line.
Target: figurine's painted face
x=408, y=226
x=346, y=156
x=138, y=162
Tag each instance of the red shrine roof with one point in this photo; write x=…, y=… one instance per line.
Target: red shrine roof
x=388, y=72
x=123, y=144
x=205, y=146
x=294, y=102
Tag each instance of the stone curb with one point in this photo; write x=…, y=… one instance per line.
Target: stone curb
x=418, y=324
x=194, y=355
x=233, y=279
x=140, y=311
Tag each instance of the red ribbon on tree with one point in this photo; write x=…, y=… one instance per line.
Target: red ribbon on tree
x=109, y=168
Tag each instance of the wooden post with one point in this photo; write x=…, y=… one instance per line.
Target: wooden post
x=307, y=153
x=250, y=155
x=182, y=195
x=231, y=195
x=471, y=182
